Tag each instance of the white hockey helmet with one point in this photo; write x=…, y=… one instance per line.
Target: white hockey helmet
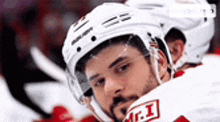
x=105, y=22
x=198, y=30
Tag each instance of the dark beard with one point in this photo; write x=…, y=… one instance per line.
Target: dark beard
x=153, y=84
x=117, y=100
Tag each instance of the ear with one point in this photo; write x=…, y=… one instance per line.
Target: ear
x=162, y=64
x=177, y=49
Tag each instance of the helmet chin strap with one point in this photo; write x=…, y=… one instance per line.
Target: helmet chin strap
x=87, y=101
x=182, y=60
x=154, y=61
x=94, y=113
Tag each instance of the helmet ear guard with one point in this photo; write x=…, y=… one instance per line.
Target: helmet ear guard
x=75, y=87
x=86, y=100
x=155, y=47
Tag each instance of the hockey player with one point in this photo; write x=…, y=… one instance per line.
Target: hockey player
x=115, y=55
x=191, y=97
x=188, y=35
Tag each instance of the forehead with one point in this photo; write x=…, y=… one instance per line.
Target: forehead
x=110, y=54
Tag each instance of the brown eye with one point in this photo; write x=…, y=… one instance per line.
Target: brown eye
x=122, y=68
x=100, y=82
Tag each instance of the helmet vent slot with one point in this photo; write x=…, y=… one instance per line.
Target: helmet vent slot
x=122, y=15
x=109, y=20
x=81, y=26
x=113, y=23
x=116, y=19
x=126, y=19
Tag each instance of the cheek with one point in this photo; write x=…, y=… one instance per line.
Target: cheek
x=139, y=77
x=102, y=99
x=98, y=95
x=133, y=81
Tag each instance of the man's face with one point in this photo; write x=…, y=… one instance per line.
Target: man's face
x=119, y=75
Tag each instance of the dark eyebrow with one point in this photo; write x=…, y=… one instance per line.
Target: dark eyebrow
x=93, y=77
x=117, y=61
x=110, y=66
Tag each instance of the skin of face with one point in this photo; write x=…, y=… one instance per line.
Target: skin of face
x=119, y=75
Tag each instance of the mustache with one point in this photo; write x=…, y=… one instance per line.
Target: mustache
x=121, y=99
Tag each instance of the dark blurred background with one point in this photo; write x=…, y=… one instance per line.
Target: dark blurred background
x=43, y=23
x=40, y=23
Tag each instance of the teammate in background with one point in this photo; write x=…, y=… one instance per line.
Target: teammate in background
x=115, y=55
x=191, y=97
x=188, y=36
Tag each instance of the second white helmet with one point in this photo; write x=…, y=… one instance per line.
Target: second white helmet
x=198, y=31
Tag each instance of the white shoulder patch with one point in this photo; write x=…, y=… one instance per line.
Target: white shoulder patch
x=143, y=112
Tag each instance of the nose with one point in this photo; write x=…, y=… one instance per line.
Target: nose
x=113, y=87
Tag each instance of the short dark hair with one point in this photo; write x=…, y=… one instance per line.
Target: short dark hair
x=130, y=39
x=174, y=34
